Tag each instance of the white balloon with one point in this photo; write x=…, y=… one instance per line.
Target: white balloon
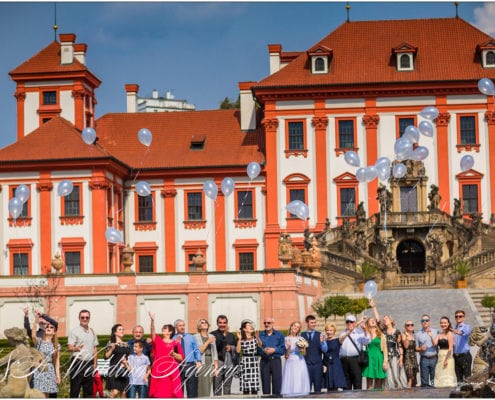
x=383, y=173
x=352, y=158
x=486, y=86
x=210, y=189
x=114, y=236
x=399, y=170
x=426, y=128
x=370, y=289
x=15, y=207
x=403, y=148
x=22, y=193
x=361, y=174
x=65, y=188
x=89, y=135
x=293, y=206
x=430, y=113
x=302, y=211
x=371, y=173
x=145, y=137
x=419, y=153
x=228, y=185
x=382, y=162
x=467, y=162
x=253, y=170
x=143, y=188
x=412, y=133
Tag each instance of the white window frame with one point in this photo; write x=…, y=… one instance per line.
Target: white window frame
x=411, y=61
x=313, y=64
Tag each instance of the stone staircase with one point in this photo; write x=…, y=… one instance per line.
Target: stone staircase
x=403, y=304
x=476, y=296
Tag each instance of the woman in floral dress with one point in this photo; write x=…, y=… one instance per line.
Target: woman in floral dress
x=47, y=381
x=410, y=358
x=248, y=344
x=295, y=377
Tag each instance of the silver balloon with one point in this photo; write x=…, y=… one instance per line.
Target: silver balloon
x=15, y=207
x=361, y=174
x=383, y=173
x=143, y=188
x=88, y=135
x=65, y=188
x=399, y=171
x=253, y=170
x=430, y=113
x=486, y=86
x=210, y=189
x=382, y=161
x=370, y=173
x=22, y=193
x=426, y=128
x=227, y=186
x=145, y=136
x=467, y=162
x=352, y=158
x=114, y=236
x=420, y=153
x=412, y=133
x=403, y=148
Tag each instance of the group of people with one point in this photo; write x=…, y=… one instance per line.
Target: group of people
x=176, y=363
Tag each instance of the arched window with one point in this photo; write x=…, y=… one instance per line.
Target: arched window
x=490, y=58
x=319, y=64
x=405, y=61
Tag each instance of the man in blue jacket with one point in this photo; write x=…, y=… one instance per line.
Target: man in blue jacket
x=314, y=353
x=192, y=360
x=271, y=351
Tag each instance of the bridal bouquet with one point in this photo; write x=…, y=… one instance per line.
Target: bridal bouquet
x=301, y=344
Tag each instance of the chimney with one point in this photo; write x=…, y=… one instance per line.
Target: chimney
x=80, y=52
x=67, y=48
x=274, y=51
x=248, y=107
x=154, y=94
x=132, y=90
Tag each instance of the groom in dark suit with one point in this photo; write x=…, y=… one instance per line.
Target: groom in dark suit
x=314, y=354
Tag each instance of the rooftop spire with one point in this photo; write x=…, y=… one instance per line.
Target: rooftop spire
x=55, y=26
x=348, y=8
x=456, y=3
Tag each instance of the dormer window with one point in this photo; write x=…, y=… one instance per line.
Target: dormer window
x=487, y=53
x=197, y=142
x=320, y=57
x=404, y=56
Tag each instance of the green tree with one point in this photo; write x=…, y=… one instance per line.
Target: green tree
x=227, y=104
x=339, y=306
x=488, y=302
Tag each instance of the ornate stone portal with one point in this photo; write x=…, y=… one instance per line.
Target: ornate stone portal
x=412, y=241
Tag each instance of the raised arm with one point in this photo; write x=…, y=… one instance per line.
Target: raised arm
x=34, y=329
x=375, y=310
x=152, y=325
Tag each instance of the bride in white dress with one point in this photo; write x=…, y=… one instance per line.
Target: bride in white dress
x=295, y=378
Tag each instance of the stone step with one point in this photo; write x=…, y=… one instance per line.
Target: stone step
x=404, y=304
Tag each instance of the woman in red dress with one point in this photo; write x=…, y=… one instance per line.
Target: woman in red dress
x=165, y=371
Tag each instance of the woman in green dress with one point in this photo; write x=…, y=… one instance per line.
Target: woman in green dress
x=375, y=372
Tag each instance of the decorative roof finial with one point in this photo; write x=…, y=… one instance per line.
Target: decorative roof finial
x=456, y=3
x=55, y=26
x=348, y=7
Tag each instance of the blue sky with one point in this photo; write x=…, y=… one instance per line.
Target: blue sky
x=198, y=50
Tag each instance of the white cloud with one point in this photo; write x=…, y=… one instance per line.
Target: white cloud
x=484, y=18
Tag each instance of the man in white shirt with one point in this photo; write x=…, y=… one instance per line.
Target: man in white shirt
x=82, y=342
x=349, y=354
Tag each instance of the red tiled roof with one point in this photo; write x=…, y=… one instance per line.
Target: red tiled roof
x=362, y=54
x=225, y=144
x=57, y=139
x=47, y=60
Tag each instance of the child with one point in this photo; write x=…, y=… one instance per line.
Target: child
x=140, y=372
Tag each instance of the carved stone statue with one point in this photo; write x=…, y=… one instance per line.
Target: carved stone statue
x=361, y=213
x=285, y=249
x=315, y=253
x=307, y=239
x=435, y=244
x=384, y=198
x=457, y=213
x=434, y=197
x=360, y=242
x=20, y=363
x=127, y=258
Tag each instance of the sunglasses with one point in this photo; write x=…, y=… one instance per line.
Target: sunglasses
x=83, y=318
x=409, y=324
x=349, y=322
x=425, y=320
x=267, y=323
x=459, y=316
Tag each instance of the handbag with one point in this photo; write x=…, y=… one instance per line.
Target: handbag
x=363, y=355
